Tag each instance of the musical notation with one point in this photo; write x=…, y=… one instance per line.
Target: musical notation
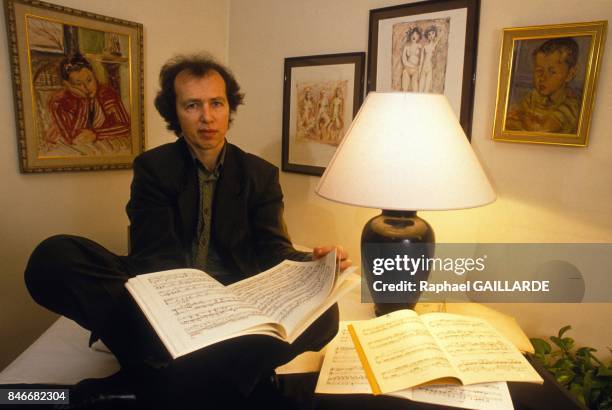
x=285, y=291
x=190, y=310
x=478, y=396
x=403, y=353
x=404, y=350
x=342, y=373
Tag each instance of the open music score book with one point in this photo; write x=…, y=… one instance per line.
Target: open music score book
x=402, y=350
x=190, y=310
x=342, y=373
x=504, y=324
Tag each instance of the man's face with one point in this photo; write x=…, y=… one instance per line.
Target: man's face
x=203, y=110
x=83, y=82
x=551, y=73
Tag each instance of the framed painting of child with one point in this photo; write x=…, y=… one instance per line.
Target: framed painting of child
x=547, y=83
x=78, y=85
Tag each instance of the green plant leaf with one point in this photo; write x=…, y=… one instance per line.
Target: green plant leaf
x=587, y=385
x=563, y=330
x=541, y=346
x=576, y=391
x=577, y=368
x=584, y=358
x=564, y=376
x=585, y=352
x=561, y=343
x=605, y=372
x=557, y=341
x=564, y=364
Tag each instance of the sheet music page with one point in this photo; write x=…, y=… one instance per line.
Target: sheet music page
x=477, y=350
x=399, y=352
x=504, y=324
x=484, y=396
x=189, y=309
x=346, y=282
x=342, y=373
x=290, y=291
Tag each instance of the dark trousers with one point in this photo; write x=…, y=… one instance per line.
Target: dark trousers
x=83, y=281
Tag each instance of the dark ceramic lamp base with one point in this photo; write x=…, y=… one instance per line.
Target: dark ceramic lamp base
x=386, y=236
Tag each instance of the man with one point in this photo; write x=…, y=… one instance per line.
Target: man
x=85, y=111
x=198, y=202
x=174, y=184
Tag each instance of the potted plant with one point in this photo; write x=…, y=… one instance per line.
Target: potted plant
x=577, y=369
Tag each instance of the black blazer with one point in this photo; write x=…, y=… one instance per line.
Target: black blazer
x=248, y=229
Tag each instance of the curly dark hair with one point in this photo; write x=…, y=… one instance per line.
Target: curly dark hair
x=198, y=65
x=72, y=64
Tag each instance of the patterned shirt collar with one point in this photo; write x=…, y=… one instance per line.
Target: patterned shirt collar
x=220, y=160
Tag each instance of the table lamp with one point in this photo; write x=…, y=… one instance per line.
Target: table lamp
x=403, y=153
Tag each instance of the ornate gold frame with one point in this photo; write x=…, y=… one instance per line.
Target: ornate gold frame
x=596, y=31
x=29, y=103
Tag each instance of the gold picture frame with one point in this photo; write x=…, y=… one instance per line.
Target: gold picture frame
x=78, y=87
x=547, y=83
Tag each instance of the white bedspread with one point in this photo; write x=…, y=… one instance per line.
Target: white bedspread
x=61, y=355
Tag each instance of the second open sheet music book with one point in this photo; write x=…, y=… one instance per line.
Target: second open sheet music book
x=342, y=373
x=190, y=310
x=402, y=350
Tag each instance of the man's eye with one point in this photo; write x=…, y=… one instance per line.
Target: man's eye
x=217, y=104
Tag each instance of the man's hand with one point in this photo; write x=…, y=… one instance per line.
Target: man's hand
x=341, y=255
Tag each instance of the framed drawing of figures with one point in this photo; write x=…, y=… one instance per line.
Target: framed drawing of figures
x=321, y=94
x=427, y=46
x=547, y=80
x=78, y=87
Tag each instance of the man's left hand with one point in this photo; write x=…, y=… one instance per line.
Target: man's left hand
x=341, y=255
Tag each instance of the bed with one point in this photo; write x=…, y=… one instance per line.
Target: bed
x=61, y=354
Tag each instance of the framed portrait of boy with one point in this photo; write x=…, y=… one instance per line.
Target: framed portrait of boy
x=547, y=83
x=78, y=87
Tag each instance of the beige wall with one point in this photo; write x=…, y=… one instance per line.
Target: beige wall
x=33, y=207
x=550, y=194
x=546, y=193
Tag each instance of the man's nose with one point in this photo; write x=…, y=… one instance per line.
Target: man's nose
x=205, y=114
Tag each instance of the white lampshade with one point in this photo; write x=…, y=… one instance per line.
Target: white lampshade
x=406, y=151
